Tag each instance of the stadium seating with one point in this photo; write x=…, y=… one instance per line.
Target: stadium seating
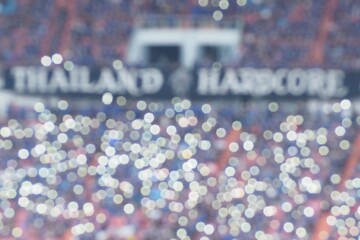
x=187, y=169
x=180, y=169
x=276, y=33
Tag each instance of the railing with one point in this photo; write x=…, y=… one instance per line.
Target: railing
x=184, y=21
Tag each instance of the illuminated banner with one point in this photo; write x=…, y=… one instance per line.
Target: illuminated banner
x=198, y=83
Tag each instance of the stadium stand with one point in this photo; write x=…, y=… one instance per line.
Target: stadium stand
x=276, y=33
x=79, y=168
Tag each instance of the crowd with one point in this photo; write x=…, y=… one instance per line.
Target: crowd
x=344, y=37
x=127, y=169
x=275, y=33
x=23, y=28
x=180, y=170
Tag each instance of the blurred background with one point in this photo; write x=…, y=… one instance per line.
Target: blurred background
x=194, y=119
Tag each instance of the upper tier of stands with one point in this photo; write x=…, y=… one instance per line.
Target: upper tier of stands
x=275, y=33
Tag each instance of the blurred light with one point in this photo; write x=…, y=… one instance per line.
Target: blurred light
x=241, y=2
x=224, y=4
x=46, y=61
x=218, y=15
x=203, y=3
x=56, y=58
x=107, y=98
x=69, y=66
x=117, y=64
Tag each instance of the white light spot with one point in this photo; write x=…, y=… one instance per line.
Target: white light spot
x=46, y=61
x=57, y=58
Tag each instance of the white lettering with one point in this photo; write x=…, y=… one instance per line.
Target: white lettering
x=152, y=80
x=297, y=82
x=19, y=74
x=58, y=81
x=230, y=82
x=131, y=83
x=248, y=80
x=208, y=81
x=317, y=82
x=335, y=85
x=106, y=81
x=262, y=86
x=278, y=82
